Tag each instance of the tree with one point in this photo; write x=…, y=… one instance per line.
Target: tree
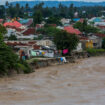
x=12, y=37
x=47, y=12
x=84, y=27
x=103, y=43
x=7, y=3
x=11, y=11
x=3, y=30
x=53, y=20
x=8, y=59
x=37, y=17
x=62, y=10
x=64, y=40
x=27, y=7
x=2, y=11
x=49, y=31
x=71, y=11
x=17, y=9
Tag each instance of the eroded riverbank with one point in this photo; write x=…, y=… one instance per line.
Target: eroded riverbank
x=82, y=83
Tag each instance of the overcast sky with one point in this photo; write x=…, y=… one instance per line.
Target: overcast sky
x=3, y=1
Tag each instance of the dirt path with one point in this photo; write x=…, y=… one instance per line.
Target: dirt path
x=70, y=84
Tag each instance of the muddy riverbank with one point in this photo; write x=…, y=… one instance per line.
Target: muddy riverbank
x=80, y=83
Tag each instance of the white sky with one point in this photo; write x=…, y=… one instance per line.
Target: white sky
x=3, y=1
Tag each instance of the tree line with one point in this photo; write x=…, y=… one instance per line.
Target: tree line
x=10, y=10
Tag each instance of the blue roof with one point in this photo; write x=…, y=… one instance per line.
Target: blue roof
x=76, y=19
x=97, y=20
x=24, y=21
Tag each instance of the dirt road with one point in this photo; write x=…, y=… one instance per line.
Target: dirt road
x=82, y=83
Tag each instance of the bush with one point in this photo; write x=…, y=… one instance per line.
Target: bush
x=12, y=37
x=103, y=43
x=95, y=52
x=25, y=67
x=9, y=61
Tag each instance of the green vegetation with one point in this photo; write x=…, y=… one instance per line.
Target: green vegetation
x=53, y=20
x=49, y=31
x=9, y=61
x=103, y=43
x=60, y=11
x=64, y=40
x=3, y=30
x=39, y=37
x=95, y=52
x=84, y=27
x=12, y=37
x=37, y=17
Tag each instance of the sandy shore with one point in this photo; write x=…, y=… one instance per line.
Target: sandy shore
x=82, y=83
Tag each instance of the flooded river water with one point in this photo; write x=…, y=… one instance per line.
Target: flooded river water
x=82, y=83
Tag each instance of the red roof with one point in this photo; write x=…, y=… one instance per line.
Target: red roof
x=29, y=31
x=13, y=24
x=100, y=35
x=101, y=27
x=16, y=44
x=71, y=30
x=36, y=47
x=31, y=42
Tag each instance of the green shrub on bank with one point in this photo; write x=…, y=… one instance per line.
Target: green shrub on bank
x=25, y=67
x=95, y=52
x=9, y=61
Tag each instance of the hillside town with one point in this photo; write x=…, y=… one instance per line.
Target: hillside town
x=52, y=52
x=21, y=35
x=38, y=32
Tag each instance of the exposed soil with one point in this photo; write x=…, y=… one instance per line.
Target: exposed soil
x=82, y=83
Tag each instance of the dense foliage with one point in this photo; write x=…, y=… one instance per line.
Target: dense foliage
x=95, y=52
x=48, y=30
x=61, y=11
x=64, y=40
x=12, y=37
x=3, y=30
x=103, y=43
x=37, y=17
x=9, y=61
x=53, y=20
x=84, y=27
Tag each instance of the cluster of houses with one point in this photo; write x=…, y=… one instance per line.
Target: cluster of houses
x=26, y=35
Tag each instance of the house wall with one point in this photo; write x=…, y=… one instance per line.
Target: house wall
x=45, y=43
x=97, y=41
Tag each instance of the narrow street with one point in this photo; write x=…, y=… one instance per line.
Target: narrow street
x=82, y=83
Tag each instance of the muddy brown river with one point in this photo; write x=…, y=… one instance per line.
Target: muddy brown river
x=82, y=83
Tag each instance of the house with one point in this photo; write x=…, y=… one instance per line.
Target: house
x=101, y=27
x=96, y=39
x=23, y=45
x=29, y=33
x=10, y=32
x=38, y=26
x=26, y=22
x=76, y=19
x=65, y=21
x=95, y=19
x=72, y=30
x=79, y=47
x=45, y=43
